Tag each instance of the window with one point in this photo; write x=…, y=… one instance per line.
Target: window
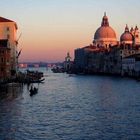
x=2, y=52
x=2, y=59
x=2, y=69
x=8, y=29
x=8, y=36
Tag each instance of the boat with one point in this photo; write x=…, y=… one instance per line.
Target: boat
x=36, y=80
x=34, y=74
x=57, y=70
x=33, y=91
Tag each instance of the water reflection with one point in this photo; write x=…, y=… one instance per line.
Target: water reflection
x=10, y=91
x=72, y=108
x=10, y=110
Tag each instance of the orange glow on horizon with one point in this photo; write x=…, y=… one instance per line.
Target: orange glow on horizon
x=51, y=28
x=54, y=46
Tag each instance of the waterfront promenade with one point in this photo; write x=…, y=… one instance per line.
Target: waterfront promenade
x=73, y=107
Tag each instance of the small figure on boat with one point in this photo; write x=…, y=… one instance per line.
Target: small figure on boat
x=33, y=90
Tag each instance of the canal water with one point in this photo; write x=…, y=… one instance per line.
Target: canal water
x=72, y=107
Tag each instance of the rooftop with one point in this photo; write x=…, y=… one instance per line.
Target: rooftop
x=2, y=19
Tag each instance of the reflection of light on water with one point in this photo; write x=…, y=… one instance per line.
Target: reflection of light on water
x=76, y=107
x=11, y=91
x=107, y=96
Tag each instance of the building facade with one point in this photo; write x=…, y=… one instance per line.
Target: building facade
x=131, y=65
x=68, y=63
x=106, y=55
x=5, y=56
x=8, y=31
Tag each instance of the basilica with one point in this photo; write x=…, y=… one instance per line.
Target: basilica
x=107, y=55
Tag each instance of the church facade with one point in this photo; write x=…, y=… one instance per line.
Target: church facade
x=107, y=55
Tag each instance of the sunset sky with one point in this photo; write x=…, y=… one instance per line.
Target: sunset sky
x=51, y=28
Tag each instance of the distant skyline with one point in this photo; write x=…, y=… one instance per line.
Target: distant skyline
x=51, y=28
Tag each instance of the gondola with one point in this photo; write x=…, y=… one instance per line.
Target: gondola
x=37, y=81
x=33, y=91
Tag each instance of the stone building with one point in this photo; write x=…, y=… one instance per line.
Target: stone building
x=131, y=65
x=106, y=54
x=68, y=63
x=82, y=58
x=8, y=31
x=5, y=57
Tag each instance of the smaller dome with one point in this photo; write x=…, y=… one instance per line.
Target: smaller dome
x=126, y=37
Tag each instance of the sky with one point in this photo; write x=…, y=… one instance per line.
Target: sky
x=51, y=28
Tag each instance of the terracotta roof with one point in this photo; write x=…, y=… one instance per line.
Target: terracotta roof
x=2, y=19
x=5, y=20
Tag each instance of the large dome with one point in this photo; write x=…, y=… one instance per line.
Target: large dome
x=104, y=32
x=105, y=35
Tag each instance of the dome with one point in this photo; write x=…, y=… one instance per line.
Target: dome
x=126, y=36
x=105, y=35
x=105, y=32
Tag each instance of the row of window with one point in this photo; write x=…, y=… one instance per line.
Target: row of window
x=3, y=70
x=128, y=52
x=2, y=60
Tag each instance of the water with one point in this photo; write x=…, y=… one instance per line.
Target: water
x=73, y=108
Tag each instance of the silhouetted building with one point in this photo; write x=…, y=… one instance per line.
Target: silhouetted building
x=5, y=68
x=68, y=64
